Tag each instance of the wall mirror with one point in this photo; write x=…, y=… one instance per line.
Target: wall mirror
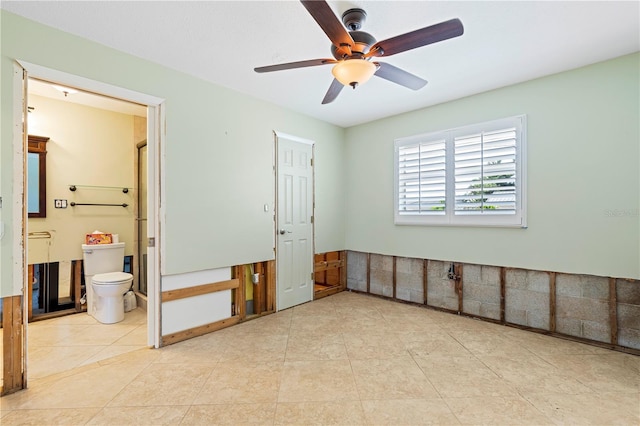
x=37, y=176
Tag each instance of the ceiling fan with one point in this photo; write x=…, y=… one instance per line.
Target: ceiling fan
x=353, y=49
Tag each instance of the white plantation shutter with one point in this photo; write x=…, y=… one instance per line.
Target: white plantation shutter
x=473, y=175
x=485, y=172
x=422, y=178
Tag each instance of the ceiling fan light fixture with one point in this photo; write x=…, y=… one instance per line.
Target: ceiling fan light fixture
x=353, y=72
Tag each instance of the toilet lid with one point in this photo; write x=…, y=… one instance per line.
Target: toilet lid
x=111, y=278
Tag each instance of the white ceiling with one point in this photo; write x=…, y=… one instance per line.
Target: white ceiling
x=222, y=41
x=41, y=88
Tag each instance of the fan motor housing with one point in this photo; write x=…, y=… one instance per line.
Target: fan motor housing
x=363, y=42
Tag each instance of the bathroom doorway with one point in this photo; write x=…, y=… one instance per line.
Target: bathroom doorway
x=154, y=108
x=84, y=195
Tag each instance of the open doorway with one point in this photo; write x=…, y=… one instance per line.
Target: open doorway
x=154, y=115
x=91, y=181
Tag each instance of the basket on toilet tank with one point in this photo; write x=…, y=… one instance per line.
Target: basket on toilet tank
x=105, y=282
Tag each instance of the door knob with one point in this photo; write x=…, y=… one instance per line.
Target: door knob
x=282, y=231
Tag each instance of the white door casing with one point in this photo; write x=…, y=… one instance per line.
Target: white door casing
x=155, y=138
x=294, y=221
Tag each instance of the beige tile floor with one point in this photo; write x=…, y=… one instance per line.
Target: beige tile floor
x=61, y=344
x=346, y=359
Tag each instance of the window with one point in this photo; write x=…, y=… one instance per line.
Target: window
x=473, y=175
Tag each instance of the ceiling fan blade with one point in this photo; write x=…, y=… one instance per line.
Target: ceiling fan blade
x=291, y=65
x=333, y=92
x=399, y=76
x=418, y=38
x=330, y=24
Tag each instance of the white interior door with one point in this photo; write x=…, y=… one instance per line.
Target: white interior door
x=294, y=231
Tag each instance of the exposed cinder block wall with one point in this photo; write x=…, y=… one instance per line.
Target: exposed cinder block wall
x=441, y=291
x=357, y=271
x=582, y=306
x=481, y=290
x=628, y=313
x=381, y=275
x=527, y=298
x=410, y=279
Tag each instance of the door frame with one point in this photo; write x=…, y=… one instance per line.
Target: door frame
x=155, y=140
x=277, y=134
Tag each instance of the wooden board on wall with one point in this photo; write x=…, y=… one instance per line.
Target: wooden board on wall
x=76, y=280
x=12, y=345
x=330, y=273
x=320, y=276
x=30, y=292
x=333, y=274
x=271, y=285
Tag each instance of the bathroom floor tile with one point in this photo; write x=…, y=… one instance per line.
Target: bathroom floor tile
x=61, y=344
x=137, y=336
x=109, y=352
x=79, y=390
x=105, y=334
x=44, y=334
x=48, y=360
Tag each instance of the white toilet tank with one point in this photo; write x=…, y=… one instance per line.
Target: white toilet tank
x=101, y=258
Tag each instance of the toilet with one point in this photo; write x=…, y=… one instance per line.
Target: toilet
x=105, y=282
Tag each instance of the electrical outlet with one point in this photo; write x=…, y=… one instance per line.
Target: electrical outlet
x=60, y=204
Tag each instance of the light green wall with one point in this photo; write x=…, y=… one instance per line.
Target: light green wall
x=583, y=176
x=218, y=157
